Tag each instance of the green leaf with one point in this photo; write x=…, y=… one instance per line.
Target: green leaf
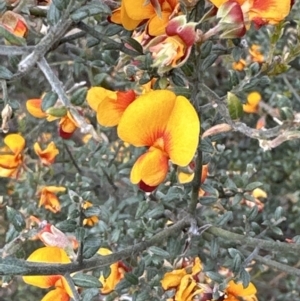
x=236, y=199
x=49, y=100
x=139, y=270
x=90, y=246
x=206, y=146
x=225, y=218
x=214, y=248
x=5, y=73
x=57, y=112
x=53, y=14
x=236, y=53
x=79, y=96
x=131, y=278
x=205, y=49
x=208, y=200
x=159, y=252
x=92, y=211
x=235, y=106
x=122, y=285
x=67, y=225
x=245, y=277
x=237, y=263
x=253, y=185
x=80, y=233
x=16, y=218
x=278, y=213
x=208, y=61
x=84, y=280
x=141, y=209
x=89, y=294
x=60, y=4
x=133, y=43
x=90, y=10
x=253, y=213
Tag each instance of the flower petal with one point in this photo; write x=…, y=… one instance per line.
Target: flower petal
x=46, y=255
x=137, y=10
x=151, y=168
x=111, y=109
x=182, y=132
x=58, y=294
x=7, y=173
x=96, y=95
x=55, y=189
x=109, y=283
x=145, y=120
x=172, y=279
x=15, y=142
x=47, y=155
x=9, y=161
x=33, y=106
x=269, y=11
x=237, y=289
x=157, y=24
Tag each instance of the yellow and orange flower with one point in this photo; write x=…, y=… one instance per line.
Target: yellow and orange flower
x=157, y=13
x=236, y=291
x=67, y=124
x=117, y=271
x=47, y=155
x=239, y=65
x=91, y=220
x=11, y=157
x=168, y=125
x=48, y=197
x=172, y=49
x=14, y=23
x=62, y=290
x=255, y=54
x=253, y=100
x=184, y=281
x=109, y=105
x=260, y=12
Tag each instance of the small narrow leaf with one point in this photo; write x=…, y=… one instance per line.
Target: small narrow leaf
x=49, y=100
x=84, y=280
x=235, y=106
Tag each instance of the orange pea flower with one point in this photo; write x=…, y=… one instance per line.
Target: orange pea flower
x=47, y=155
x=109, y=105
x=260, y=12
x=48, y=198
x=117, y=271
x=92, y=220
x=185, y=282
x=157, y=13
x=253, y=100
x=236, y=291
x=239, y=65
x=255, y=54
x=33, y=106
x=15, y=23
x=67, y=124
x=11, y=157
x=168, y=125
x=173, y=48
x=62, y=289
